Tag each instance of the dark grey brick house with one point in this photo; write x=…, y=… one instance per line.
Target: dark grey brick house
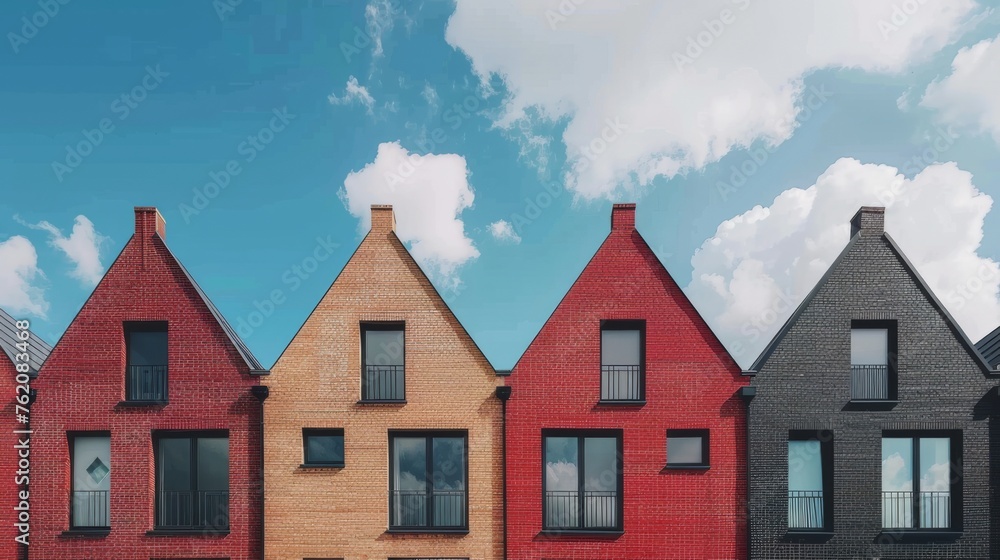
x=871, y=420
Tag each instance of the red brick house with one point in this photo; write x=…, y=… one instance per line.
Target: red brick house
x=626, y=432
x=148, y=415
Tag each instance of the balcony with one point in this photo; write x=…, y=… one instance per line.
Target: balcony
x=146, y=384
x=90, y=509
x=805, y=509
x=621, y=384
x=192, y=510
x=932, y=510
x=421, y=509
x=599, y=510
x=869, y=382
x=383, y=384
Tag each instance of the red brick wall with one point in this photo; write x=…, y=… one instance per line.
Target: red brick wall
x=690, y=383
x=81, y=384
x=8, y=459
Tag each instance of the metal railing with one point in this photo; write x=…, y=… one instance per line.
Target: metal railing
x=146, y=383
x=621, y=383
x=383, y=383
x=898, y=510
x=805, y=509
x=192, y=509
x=598, y=510
x=90, y=508
x=869, y=382
x=413, y=508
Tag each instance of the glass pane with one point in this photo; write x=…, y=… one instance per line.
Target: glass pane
x=325, y=449
x=620, y=348
x=869, y=347
x=409, y=472
x=600, y=487
x=805, y=485
x=935, y=482
x=175, y=464
x=448, y=460
x=147, y=348
x=897, y=482
x=91, y=481
x=384, y=348
x=213, y=464
x=562, y=498
x=682, y=450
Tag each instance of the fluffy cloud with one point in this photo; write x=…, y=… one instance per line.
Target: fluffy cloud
x=82, y=248
x=968, y=97
x=685, y=82
x=18, y=268
x=503, y=232
x=428, y=194
x=759, y=265
x=353, y=93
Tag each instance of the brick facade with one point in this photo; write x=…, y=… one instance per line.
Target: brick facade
x=691, y=382
x=449, y=385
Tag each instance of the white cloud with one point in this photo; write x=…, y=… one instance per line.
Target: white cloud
x=431, y=97
x=82, y=247
x=503, y=232
x=428, y=194
x=968, y=96
x=690, y=81
x=896, y=475
x=378, y=18
x=749, y=277
x=353, y=93
x=18, y=268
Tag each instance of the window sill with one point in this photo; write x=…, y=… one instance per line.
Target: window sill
x=383, y=402
x=320, y=466
x=889, y=536
x=188, y=532
x=808, y=535
x=94, y=532
x=427, y=531
x=670, y=468
x=870, y=405
x=140, y=404
x=570, y=533
x=636, y=403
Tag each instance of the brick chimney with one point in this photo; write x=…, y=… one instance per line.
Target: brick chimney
x=383, y=219
x=623, y=217
x=870, y=221
x=149, y=221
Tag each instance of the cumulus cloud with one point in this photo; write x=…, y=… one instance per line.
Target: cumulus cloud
x=353, y=93
x=503, y=232
x=968, y=96
x=896, y=475
x=748, y=277
x=688, y=82
x=82, y=248
x=18, y=270
x=428, y=194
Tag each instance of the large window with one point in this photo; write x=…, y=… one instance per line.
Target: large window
x=383, y=360
x=920, y=480
x=873, y=345
x=428, y=481
x=91, y=480
x=622, y=361
x=192, y=481
x=146, y=361
x=810, y=481
x=582, y=480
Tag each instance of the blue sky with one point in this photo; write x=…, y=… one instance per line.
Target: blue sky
x=491, y=105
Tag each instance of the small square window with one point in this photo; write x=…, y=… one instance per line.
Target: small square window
x=687, y=448
x=323, y=447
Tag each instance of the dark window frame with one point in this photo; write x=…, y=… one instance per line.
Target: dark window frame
x=429, y=436
x=826, y=442
x=581, y=435
x=71, y=437
x=192, y=436
x=703, y=433
x=892, y=351
x=381, y=326
x=956, y=477
x=129, y=327
x=625, y=325
x=322, y=432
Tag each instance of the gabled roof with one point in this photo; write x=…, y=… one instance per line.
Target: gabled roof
x=989, y=347
x=38, y=349
x=935, y=302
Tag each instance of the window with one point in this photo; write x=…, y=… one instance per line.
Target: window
x=623, y=361
x=382, y=357
x=810, y=481
x=687, y=448
x=428, y=474
x=192, y=481
x=920, y=480
x=146, y=361
x=323, y=448
x=582, y=480
x=91, y=481
x=873, y=349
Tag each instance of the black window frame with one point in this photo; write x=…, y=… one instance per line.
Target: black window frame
x=192, y=436
x=383, y=326
x=582, y=435
x=892, y=356
x=956, y=478
x=322, y=432
x=826, y=442
x=129, y=327
x=624, y=325
x=703, y=433
x=71, y=439
x=429, y=435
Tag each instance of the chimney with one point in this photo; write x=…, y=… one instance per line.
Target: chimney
x=383, y=220
x=870, y=220
x=623, y=217
x=149, y=221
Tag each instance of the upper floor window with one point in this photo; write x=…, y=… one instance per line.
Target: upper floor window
x=383, y=361
x=873, y=350
x=623, y=361
x=90, y=463
x=582, y=480
x=428, y=481
x=146, y=361
x=921, y=480
x=192, y=481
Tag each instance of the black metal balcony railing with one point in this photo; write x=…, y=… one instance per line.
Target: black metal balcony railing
x=621, y=383
x=199, y=510
x=146, y=383
x=898, y=510
x=413, y=508
x=90, y=509
x=869, y=382
x=599, y=510
x=805, y=509
x=383, y=383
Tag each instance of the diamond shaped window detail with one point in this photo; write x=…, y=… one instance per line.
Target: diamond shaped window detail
x=98, y=470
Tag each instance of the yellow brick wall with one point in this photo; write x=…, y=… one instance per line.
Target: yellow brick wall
x=316, y=383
